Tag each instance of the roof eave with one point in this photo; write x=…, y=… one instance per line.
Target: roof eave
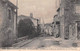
x=12, y=5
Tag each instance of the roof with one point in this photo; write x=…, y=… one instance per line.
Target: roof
x=27, y=17
x=12, y=5
x=23, y=16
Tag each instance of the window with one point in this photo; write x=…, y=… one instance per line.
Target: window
x=77, y=9
x=57, y=22
x=9, y=14
x=62, y=11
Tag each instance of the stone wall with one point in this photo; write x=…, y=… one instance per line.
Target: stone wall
x=67, y=16
x=6, y=26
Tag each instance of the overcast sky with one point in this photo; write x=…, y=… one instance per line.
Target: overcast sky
x=44, y=9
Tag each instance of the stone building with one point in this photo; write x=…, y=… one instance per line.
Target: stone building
x=68, y=19
x=7, y=25
x=48, y=29
x=56, y=26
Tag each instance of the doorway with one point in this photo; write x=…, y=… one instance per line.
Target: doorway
x=58, y=29
x=78, y=30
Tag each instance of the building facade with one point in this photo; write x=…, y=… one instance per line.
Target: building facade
x=7, y=25
x=68, y=19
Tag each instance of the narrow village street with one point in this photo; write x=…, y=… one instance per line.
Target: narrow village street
x=41, y=43
x=40, y=24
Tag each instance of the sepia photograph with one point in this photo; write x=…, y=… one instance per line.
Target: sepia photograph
x=40, y=24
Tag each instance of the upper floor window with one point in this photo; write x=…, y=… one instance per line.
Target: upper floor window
x=73, y=0
x=9, y=14
x=77, y=9
x=57, y=22
x=62, y=11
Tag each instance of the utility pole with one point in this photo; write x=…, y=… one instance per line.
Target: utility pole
x=16, y=16
x=43, y=25
x=16, y=11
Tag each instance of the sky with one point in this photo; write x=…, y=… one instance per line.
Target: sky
x=42, y=9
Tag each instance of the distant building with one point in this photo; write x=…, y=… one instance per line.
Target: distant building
x=56, y=26
x=48, y=29
x=42, y=28
x=34, y=20
x=7, y=24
